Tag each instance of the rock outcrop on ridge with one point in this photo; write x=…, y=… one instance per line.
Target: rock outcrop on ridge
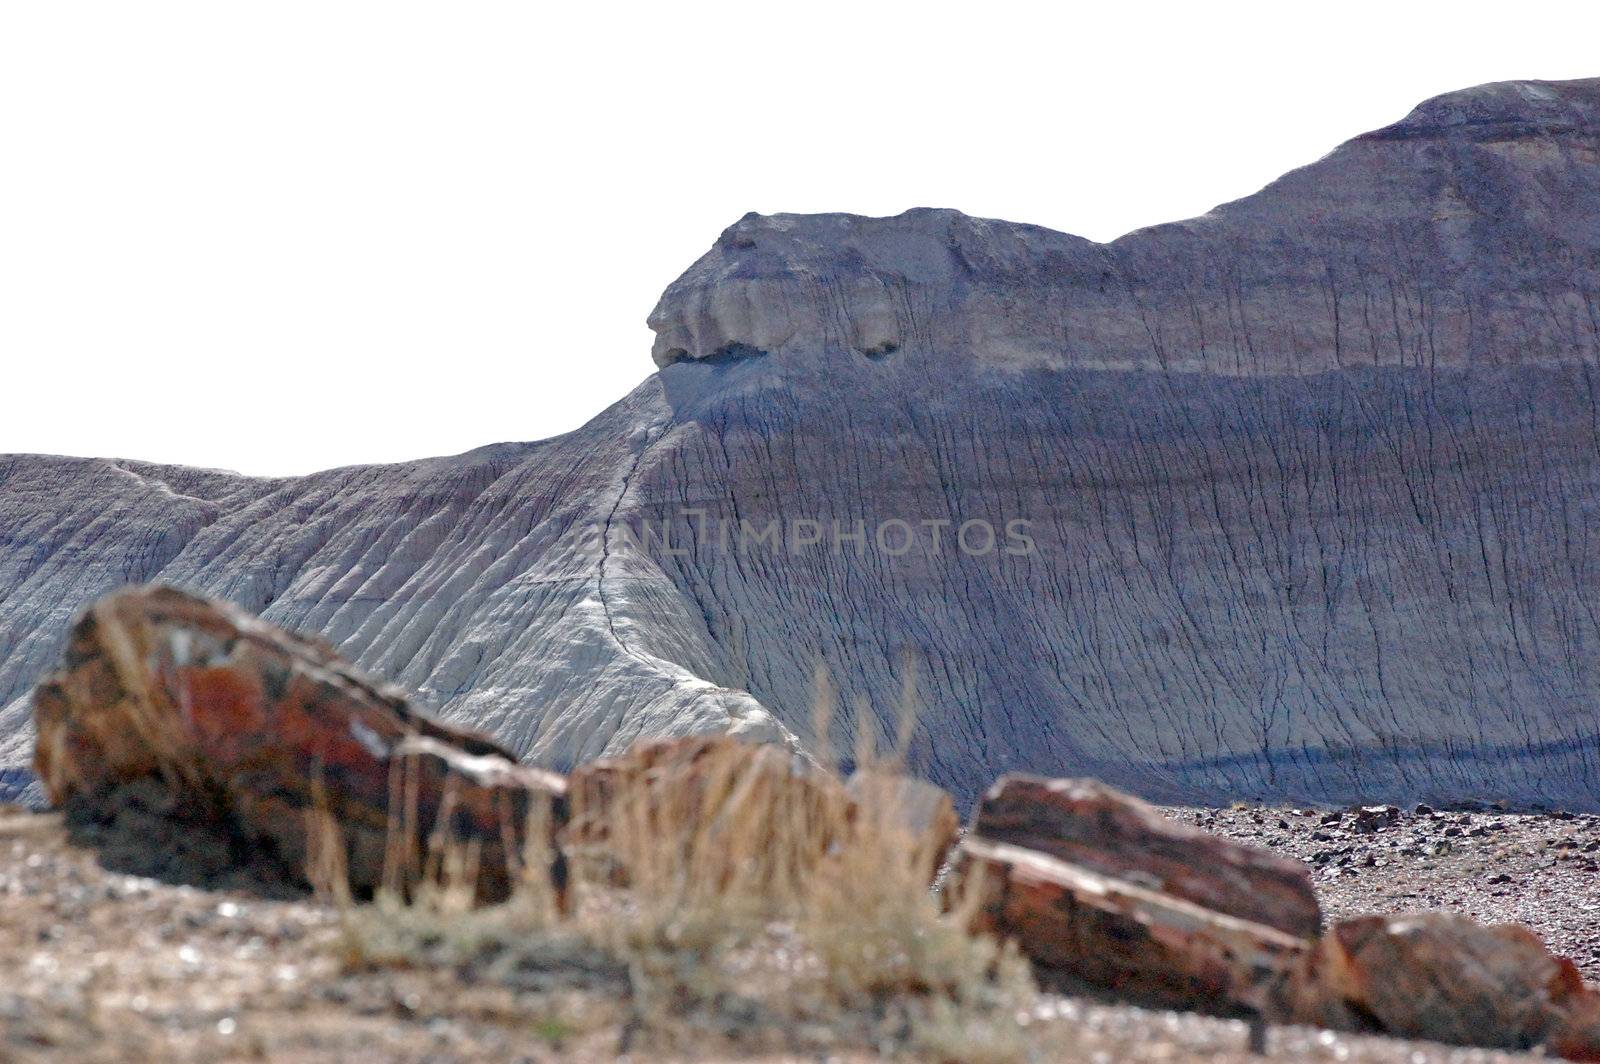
x=1294, y=500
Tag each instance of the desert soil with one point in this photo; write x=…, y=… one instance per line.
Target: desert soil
x=1538, y=869
x=143, y=940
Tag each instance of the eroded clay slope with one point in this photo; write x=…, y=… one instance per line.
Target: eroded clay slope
x=1308, y=489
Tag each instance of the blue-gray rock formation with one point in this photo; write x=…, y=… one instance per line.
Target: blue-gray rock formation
x=1294, y=500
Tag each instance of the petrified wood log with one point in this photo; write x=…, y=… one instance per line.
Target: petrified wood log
x=1097, y=828
x=270, y=728
x=1082, y=928
x=1106, y=894
x=922, y=813
x=1450, y=979
x=707, y=814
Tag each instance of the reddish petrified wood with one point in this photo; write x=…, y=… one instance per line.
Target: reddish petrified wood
x=1093, y=826
x=1085, y=929
x=1450, y=979
x=268, y=727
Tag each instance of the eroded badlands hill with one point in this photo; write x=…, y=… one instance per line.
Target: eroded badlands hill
x=1307, y=495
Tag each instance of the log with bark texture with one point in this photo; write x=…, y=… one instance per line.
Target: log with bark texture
x=1082, y=928
x=1108, y=894
x=1093, y=826
x=267, y=727
x=1447, y=978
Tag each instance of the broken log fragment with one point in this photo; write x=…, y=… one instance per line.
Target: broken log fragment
x=706, y=815
x=1088, y=824
x=923, y=815
x=1105, y=894
x=1450, y=979
x=716, y=815
x=267, y=728
x=1084, y=929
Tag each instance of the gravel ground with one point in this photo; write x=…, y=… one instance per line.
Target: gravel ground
x=1538, y=869
x=107, y=955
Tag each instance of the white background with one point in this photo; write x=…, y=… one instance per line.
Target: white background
x=278, y=237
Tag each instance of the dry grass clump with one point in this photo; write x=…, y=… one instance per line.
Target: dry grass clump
x=734, y=892
x=714, y=822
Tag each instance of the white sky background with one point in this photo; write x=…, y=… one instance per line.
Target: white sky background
x=285, y=236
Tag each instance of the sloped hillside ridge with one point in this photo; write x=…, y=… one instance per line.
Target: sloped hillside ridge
x=1295, y=500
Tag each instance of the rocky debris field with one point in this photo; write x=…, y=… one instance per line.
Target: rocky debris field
x=128, y=962
x=1496, y=866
